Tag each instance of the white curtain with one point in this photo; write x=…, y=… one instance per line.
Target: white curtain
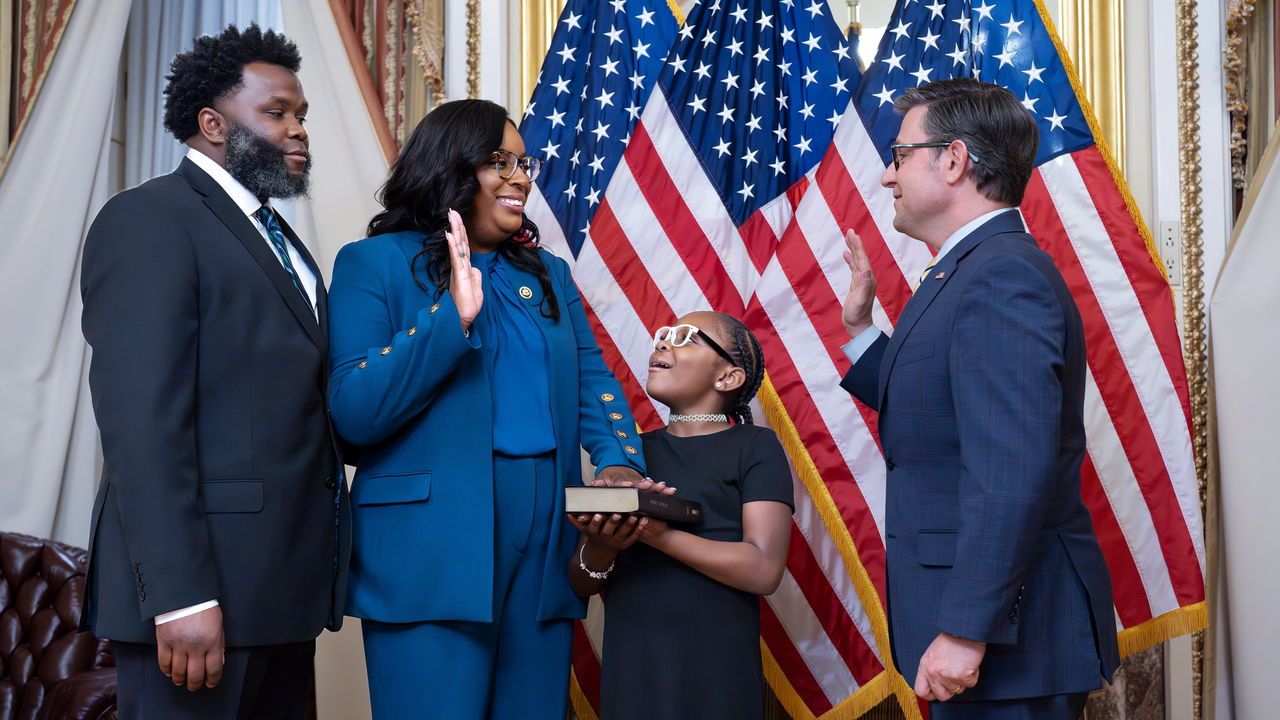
x=348, y=165
x=55, y=183
x=64, y=168
x=158, y=30
x=1245, y=353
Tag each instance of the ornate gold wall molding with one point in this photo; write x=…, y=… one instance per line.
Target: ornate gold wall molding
x=1236, y=79
x=426, y=23
x=537, y=25
x=1093, y=31
x=1195, y=345
x=473, y=48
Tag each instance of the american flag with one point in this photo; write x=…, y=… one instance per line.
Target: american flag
x=1138, y=478
x=707, y=191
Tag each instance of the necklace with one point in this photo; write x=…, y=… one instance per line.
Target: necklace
x=698, y=417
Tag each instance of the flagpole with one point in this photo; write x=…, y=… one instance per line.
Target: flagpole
x=854, y=31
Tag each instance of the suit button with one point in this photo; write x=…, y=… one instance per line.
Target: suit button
x=412, y=331
x=607, y=397
x=622, y=434
x=889, y=465
x=629, y=449
x=434, y=308
x=363, y=364
x=385, y=351
x=329, y=483
x=615, y=416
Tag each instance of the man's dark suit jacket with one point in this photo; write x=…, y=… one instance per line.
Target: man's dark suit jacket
x=981, y=399
x=221, y=477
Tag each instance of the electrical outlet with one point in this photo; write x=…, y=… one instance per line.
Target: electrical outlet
x=1170, y=240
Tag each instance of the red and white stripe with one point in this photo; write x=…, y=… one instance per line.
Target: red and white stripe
x=1139, y=438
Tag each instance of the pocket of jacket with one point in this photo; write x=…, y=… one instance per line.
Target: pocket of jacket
x=914, y=352
x=392, y=489
x=936, y=548
x=231, y=496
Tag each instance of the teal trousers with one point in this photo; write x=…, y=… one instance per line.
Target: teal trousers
x=514, y=667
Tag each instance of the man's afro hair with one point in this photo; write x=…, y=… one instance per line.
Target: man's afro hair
x=214, y=68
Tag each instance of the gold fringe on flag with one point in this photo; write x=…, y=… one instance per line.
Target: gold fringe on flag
x=674, y=7
x=578, y=699
x=887, y=683
x=808, y=473
x=1176, y=622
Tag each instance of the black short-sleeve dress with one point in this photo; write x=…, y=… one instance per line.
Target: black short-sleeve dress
x=678, y=644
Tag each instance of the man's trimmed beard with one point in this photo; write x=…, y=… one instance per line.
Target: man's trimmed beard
x=260, y=166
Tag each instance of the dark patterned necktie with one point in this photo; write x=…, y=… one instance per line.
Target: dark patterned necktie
x=276, y=235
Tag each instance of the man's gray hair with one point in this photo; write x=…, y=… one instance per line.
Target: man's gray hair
x=994, y=126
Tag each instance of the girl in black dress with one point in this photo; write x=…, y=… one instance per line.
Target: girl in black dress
x=682, y=613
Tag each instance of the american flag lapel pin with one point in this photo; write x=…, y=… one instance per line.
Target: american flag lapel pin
x=940, y=275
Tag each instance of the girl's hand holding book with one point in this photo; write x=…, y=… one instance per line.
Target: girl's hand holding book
x=610, y=533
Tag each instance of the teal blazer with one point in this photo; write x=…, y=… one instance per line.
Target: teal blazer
x=413, y=395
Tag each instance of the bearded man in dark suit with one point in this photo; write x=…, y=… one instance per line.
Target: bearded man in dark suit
x=219, y=538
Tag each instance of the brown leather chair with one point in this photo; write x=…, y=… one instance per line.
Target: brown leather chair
x=48, y=671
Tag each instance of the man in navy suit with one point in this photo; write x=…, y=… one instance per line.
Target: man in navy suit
x=220, y=531
x=999, y=600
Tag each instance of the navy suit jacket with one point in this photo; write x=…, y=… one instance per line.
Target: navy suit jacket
x=221, y=475
x=414, y=395
x=980, y=392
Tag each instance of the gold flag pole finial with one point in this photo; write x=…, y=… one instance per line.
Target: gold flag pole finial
x=854, y=31
x=855, y=18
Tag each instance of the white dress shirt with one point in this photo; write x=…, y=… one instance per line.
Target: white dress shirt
x=249, y=205
x=854, y=349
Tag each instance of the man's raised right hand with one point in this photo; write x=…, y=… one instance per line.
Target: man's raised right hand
x=862, y=286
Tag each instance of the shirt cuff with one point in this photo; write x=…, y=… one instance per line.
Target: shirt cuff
x=163, y=618
x=854, y=349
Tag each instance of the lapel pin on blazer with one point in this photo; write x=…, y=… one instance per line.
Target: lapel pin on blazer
x=940, y=275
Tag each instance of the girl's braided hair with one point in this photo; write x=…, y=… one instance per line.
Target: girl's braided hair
x=747, y=353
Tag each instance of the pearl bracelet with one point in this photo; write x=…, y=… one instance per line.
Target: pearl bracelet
x=593, y=574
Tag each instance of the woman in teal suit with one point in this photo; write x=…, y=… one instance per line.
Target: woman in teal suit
x=466, y=376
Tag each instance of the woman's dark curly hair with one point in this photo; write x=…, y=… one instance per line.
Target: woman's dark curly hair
x=436, y=171
x=749, y=356
x=214, y=68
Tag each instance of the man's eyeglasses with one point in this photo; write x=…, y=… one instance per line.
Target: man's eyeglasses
x=680, y=335
x=506, y=162
x=897, y=151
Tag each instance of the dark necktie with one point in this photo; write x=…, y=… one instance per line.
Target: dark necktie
x=276, y=235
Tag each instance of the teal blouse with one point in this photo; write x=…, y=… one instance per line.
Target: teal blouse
x=516, y=355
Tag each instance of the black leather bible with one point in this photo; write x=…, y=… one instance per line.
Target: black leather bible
x=625, y=500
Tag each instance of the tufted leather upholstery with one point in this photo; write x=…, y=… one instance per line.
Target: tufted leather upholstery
x=48, y=671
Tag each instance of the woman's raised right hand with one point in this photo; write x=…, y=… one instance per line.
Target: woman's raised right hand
x=464, y=280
